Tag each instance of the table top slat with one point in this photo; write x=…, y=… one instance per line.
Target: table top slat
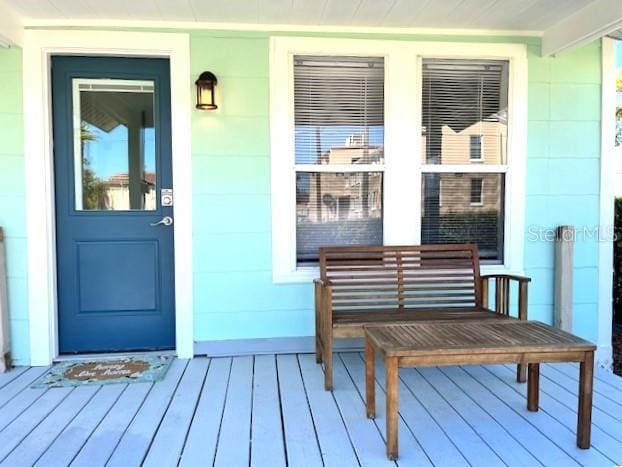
x=453, y=338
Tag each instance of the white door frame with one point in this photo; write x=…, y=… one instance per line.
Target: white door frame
x=39, y=46
x=607, y=197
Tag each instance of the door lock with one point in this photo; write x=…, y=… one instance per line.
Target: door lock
x=167, y=220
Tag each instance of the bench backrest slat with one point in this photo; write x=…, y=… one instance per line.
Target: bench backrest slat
x=402, y=277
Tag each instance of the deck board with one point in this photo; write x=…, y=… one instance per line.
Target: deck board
x=300, y=438
x=67, y=445
x=37, y=441
x=169, y=440
x=269, y=410
x=235, y=430
x=267, y=446
x=106, y=436
x=203, y=432
x=135, y=442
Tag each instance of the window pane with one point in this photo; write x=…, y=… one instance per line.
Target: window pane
x=334, y=209
x=114, y=145
x=339, y=110
x=464, y=117
x=472, y=211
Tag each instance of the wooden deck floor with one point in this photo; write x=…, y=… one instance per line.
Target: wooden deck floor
x=272, y=411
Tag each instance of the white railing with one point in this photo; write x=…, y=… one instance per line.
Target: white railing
x=5, y=355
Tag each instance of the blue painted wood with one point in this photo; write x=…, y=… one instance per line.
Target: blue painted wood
x=10, y=375
x=136, y=440
x=169, y=440
x=300, y=437
x=106, y=436
x=234, y=440
x=537, y=443
x=600, y=398
x=66, y=446
x=19, y=428
x=471, y=445
x=200, y=447
x=433, y=440
x=557, y=432
x=19, y=384
x=330, y=429
x=267, y=446
x=571, y=372
x=115, y=271
x=411, y=451
x=493, y=433
x=368, y=441
x=37, y=441
x=602, y=441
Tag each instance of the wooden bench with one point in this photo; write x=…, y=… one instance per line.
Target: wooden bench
x=364, y=285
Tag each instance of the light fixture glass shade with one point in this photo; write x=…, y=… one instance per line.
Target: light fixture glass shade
x=205, y=91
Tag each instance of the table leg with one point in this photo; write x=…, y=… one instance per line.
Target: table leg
x=392, y=405
x=533, y=387
x=584, y=421
x=370, y=379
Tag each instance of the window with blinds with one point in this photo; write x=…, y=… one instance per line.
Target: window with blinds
x=464, y=126
x=339, y=145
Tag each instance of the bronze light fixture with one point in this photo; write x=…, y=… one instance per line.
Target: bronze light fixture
x=205, y=91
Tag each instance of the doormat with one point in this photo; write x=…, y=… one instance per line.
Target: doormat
x=144, y=369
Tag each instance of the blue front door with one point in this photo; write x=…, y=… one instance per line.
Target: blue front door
x=114, y=204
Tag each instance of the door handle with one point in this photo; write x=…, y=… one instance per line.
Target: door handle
x=167, y=220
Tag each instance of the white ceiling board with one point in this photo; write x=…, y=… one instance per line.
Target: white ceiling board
x=180, y=10
x=338, y=12
x=305, y=12
x=225, y=10
x=405, y=12
x=372, y=12
x=11, y=27
x=273, y=11
x=497, y=15
x=35, y=8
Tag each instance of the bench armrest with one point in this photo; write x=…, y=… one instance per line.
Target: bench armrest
x=514, y=277
x=502, y=293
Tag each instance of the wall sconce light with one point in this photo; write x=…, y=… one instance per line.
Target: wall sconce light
x=205, y=91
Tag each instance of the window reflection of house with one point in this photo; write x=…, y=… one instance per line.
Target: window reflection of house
x=117, y=192
x=326, y=197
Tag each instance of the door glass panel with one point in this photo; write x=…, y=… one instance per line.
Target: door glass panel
x=114, y=145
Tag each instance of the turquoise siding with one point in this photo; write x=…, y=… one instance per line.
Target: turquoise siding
x=234, y=296
x=12, y=198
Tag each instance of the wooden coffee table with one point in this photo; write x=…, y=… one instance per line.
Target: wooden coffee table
x=475, y=343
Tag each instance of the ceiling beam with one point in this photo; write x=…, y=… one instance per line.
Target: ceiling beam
x=11, y=27
x=591, y=22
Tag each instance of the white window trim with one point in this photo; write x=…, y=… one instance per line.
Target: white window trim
x=39, y=46
x=481, y=194
x=479, y=160
x=402, y=176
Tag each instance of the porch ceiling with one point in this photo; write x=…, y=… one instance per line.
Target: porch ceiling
x=535, y=15
x=563, y=24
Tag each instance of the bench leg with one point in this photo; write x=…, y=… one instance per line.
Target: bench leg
x=370, y=380
x=392, y=407
x=521, y=372
x=318, y=350
x=533, y=387
x=584, y=419
x=327, y=355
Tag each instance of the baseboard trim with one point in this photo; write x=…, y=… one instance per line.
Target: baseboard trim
x=277, y=345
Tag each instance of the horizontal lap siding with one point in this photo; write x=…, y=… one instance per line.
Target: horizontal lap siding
x=13, y=199
x=235, y=297
x=563, y=168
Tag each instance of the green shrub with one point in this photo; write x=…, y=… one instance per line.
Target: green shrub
x=617, y=263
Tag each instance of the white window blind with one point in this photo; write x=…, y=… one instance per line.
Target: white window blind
x=464, y=102
x=339, y=145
